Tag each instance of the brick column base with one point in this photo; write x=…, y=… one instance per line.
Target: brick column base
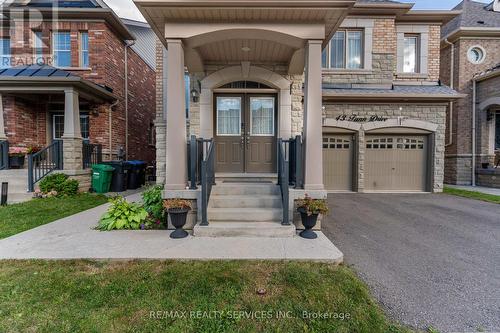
x=72, y=153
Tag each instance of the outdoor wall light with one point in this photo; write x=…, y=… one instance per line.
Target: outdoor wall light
x=195, y=96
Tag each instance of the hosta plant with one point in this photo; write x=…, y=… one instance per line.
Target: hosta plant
x=124, y=215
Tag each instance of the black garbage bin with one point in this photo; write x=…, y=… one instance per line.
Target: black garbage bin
x=120, y=175
x=137, y=174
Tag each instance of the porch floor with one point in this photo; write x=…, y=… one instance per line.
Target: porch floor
x=74, y=238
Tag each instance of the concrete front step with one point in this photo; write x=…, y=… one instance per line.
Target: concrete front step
x=245, y=201
x=18, y=185
x=245, y=189
x=245, y=214
x=247, y=229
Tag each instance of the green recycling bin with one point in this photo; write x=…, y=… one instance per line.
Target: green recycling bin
x=101, y=177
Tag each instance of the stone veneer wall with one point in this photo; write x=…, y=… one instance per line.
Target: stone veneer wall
x=160, y=125
x=433, y=113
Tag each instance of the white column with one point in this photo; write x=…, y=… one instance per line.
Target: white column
x=3, y=136
x=72, y=114
x=313, y=123
x=72, y=137
x=176, y=177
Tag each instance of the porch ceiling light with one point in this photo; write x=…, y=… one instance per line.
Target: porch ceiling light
x=246, y=49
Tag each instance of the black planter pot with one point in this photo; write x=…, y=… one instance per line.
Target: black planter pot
x=309, y=222
x=16, y=162
x=178, y=218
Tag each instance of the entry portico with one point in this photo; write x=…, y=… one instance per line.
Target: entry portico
x=228, y=41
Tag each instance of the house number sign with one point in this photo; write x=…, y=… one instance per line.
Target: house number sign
x=358, y=119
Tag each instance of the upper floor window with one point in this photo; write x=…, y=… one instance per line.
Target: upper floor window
x=5, y=55
x=38, y=47
x=345, y=50
x=62, y=49
x=84, y=50
x=411, y=54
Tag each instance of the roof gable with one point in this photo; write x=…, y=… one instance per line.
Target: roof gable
x=474, y=15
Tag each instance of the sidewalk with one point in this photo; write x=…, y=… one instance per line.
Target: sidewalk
x=74, y=238
x=480, y=189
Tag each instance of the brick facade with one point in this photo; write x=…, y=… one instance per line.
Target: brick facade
x=459, y=152
x=107, y=68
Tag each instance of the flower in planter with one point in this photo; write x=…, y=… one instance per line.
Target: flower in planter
x=17, y=152
x=313, y=206
x=177, y=204
x=33, y=150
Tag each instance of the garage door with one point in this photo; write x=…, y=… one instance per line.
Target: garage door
x=396, y=163
x=338, y=161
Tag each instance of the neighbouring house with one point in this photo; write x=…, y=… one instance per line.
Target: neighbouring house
x=317, y=95
x=470, y=56
x=76, y=81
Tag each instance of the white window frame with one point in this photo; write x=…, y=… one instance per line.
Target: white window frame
x=38, y=48
x=416, y=37
x=58, y=114
x=479, y=47
x=55, y=50
x=6, y=56
x=346, y=50
x=273, y=118
x=82, y=50
x=239, y=119
x=422, y=31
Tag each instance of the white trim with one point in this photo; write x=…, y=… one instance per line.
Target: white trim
x=423, y=49
x=482, y=50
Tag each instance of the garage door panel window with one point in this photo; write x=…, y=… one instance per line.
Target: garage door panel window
x=401, y=143
x=336, y=143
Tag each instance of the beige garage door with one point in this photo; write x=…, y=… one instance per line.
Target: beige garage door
x=338, y=161
x=396, y=163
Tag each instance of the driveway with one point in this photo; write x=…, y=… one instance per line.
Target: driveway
x=430, y=260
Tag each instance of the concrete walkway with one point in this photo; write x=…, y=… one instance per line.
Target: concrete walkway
x=480, y=189
x=74, y=238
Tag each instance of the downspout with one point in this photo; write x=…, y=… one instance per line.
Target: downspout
x=110, y=120
x=474, y=93
x=127, y=46
x=452, y=81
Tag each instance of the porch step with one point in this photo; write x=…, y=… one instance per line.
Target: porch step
x=245, y=201
x=18, y=185
x=248, y=229
x=245, y=214
x=245, y=189
x=224, y=178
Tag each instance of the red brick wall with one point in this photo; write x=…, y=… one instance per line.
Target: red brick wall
x=107, y=62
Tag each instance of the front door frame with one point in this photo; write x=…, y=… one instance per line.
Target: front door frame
x=245, y=130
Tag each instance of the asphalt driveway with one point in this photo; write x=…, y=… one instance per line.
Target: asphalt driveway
x=430, y=260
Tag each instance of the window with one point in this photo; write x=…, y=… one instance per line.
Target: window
x=229, y=116
x=336, y=143
x=58, y=126
x=62, y=49
x=476, y=54
x=38, y=47
x=84, y=50
x=262, y=116
x=151, y=134
x=497, y=131
x=345, y=50
x=5, y=53
x=411, y=54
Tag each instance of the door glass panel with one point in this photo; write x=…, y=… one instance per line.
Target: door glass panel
x=262, y=116
x=228, y=116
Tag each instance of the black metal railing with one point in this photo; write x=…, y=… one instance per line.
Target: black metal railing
x=44, y=162
x=207, y=177
x=195, y=156
x=284, y=177
x=92, y=154
x=4, y=155
x=297, y=162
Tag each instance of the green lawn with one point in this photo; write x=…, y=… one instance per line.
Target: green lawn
x=83, y=296
x=21, y=217
x=473, y=195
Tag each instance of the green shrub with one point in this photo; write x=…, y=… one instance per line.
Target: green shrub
x=153, y=202
x=124, y=215
x=59, y=183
